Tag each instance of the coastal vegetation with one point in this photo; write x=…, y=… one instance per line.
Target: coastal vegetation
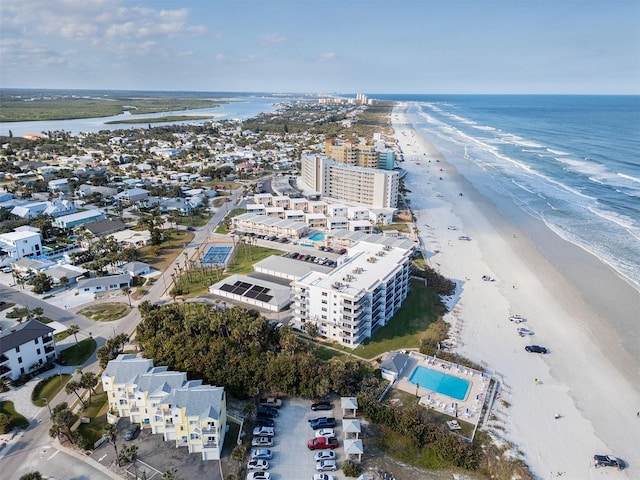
x=79, y=353
x=48, y=388
x=105, y=312
x=21, y=105
x=10, y=418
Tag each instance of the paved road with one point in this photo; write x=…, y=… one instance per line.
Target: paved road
x=33, y=448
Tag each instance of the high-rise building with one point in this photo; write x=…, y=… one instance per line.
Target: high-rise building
x=350, y=152
x=364, y=186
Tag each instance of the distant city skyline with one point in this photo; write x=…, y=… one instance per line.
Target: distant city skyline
x=330, y=46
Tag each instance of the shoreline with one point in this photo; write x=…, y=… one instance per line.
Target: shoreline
x=585, y=378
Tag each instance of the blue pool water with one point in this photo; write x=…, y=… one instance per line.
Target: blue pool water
x=438, y=382
x=317, y=237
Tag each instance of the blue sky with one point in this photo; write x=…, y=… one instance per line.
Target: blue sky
x=371, y=46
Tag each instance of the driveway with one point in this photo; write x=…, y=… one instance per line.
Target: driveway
x=292, y=459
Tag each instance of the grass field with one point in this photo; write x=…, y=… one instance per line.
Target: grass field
x=106, y=312
x=80, y=353
x=97, y=412
x=421, y=308
x=48, y=389
x=160, y=257
x=17, y=420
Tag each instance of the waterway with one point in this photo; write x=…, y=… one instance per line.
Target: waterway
x=241, y=107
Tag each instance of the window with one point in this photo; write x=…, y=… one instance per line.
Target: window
x=19, y=359
x=36, y=340
x=18, y=349
x=38, y=351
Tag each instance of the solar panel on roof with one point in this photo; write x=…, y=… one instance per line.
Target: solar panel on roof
x=264, y=298
x=226, y=287
x=245, y=284
x=237, y=284
x=251, y=294
x=239, y=290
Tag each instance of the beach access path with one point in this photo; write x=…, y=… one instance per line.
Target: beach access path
x=580, y=379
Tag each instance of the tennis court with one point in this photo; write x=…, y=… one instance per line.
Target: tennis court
x=217, y=254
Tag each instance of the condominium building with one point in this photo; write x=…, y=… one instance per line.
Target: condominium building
x=188, y=413
x=362, y=294
x=365, y=186
x=351, y=152
x=24, y=348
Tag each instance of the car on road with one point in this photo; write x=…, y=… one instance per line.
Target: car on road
x=326, y=466
x=523, y=332
x=322, y=422
x=267, y=412
x=262, y=442
x=264, y=422
x=261, y=454
x=271, y=402
x=264, y=432
x=517, y=318
x=191, y=229
x=607, y=461
x=323, y=476
x=131, y=432
x=536, y=349
x=258, y=476
x=325, y=432
x=321, y=406
x=258, y=465
x=325, y=455
x=322, y=443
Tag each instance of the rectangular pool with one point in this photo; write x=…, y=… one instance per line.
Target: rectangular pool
x=439, y=382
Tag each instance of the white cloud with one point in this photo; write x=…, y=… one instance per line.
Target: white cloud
x=272, y=38
x=326, y=57
x=28, y=55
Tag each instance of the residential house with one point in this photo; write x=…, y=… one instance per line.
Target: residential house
x=135, y=269
x=77, y=219
x=132, y=195
x=104, y=227
x=25, y=347
x=20, y=244
x=104, y=284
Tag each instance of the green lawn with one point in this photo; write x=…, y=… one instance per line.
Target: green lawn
x=421, y=308
x=106, y=312
x=48, y=388
x=97, y=412
x=80, y=353
x=17, y=420
x=222, y=228
x=162, y=256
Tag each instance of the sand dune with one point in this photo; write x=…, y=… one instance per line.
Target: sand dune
x=580, y=379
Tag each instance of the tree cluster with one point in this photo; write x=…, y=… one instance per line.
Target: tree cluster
x=242, y=351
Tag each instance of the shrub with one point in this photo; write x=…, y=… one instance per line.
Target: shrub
x=351, y=469
x=5, y=423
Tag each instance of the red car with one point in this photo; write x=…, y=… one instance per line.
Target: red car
x=322, y=442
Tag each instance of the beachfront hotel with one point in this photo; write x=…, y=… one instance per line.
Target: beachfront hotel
x=364, y=186
x=361, y=294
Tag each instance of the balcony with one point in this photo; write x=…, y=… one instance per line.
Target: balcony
x=49, y=349
x=46, y=340
x=211, y=430
x=212, y=445
x=4, y=369
x=3, y=359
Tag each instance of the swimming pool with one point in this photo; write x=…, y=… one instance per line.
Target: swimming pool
x=439, y=382
x=317, y=237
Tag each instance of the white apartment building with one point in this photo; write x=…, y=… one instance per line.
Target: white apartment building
x=24, y=347
x=186, y=412
x=21, y=244
x=365, y=186
x=349, y=303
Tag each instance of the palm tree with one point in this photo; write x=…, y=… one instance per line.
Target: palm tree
x=110, y=431
x=73, y=330
x=72, y=387
x=127, y=292
x=31, y=476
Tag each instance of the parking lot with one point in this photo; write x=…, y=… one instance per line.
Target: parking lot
x=291, y=457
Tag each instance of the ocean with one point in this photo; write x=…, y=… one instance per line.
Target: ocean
x=571, y=161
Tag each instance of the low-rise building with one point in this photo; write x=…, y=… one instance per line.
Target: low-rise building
x=104, y=284
x=25, y=347
x=188, y=413
x=77, y=219
x=20, y=244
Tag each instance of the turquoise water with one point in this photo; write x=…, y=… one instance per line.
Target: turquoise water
x=438, y=382
x=317, y=237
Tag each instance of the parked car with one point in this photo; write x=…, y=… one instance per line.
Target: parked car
x=264, y=432
x=258, y=476
x=262, y=442
x=323, y=476
x=322, y=443
x=321, y=406
x=325, y=455
x=517, y=318
x=325, y=432
x=607, y=461
x=271, y=402
x=267, y=412
x=261, y=454
x=258, y=465
x=536, y=349
x=131, y=432
x=322, y=422
x=523, y=332
x=264, y=422
x=326, y=466
x=191, y=229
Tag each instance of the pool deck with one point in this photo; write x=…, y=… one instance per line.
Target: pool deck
x=468, y=409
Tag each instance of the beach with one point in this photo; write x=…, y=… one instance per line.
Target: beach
x=586, y=378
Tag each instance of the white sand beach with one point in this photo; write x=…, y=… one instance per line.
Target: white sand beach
x=591, y=383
